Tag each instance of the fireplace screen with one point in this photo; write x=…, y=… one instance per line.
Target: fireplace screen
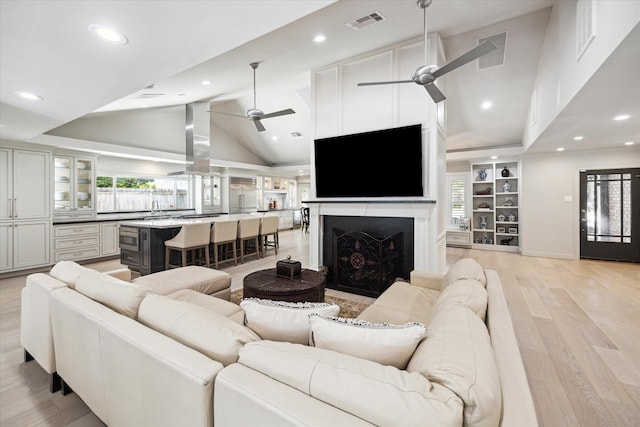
x=364, y=263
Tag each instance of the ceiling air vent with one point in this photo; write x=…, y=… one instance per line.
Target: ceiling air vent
x=296, y=134
x=365, y=21
x=495, y=58
x=148, y=95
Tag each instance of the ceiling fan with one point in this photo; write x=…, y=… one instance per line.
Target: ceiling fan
x=254, y=114
x=426, y=75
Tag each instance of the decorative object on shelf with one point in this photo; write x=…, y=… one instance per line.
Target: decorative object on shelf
x=482, y=175
x=483, y=222
x=484, y=205
x=513, y=230
x=464, y=224
x=501, y=229
x=506, y=242
x=506, y=187
x=508, y=201
x=486, y=192
x=505, y=172
x=501, y=217
x=490, y=240
x=511, y=217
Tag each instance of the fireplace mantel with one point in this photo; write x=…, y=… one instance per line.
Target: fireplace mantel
x=429, y=242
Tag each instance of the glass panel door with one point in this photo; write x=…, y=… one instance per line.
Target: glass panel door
x=84, y=184
x=62, y=176
x=609, y=200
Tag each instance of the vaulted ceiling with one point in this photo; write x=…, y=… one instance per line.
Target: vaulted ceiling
x=176, y=45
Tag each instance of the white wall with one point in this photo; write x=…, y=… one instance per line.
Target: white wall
x=550, y=226
x=561, y=74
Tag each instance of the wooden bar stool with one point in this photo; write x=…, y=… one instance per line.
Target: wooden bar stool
x=269, y=227
x=249, y=230
x=191, y=237
x=224, y=233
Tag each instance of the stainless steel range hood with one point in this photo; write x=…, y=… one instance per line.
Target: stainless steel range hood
x=197, y=140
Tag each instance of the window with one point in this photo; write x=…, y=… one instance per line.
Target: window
x=456, y=200
x=130, y=194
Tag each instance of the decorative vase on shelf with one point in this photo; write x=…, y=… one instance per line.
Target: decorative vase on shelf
x=482, y=175
x=506, y=187
x=483, y=222
x=501, y=217
x=505, y=172
x=511, y=217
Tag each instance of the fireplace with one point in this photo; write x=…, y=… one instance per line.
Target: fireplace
x=366, y=256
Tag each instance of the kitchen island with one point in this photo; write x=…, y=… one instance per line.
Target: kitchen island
x=142, y=242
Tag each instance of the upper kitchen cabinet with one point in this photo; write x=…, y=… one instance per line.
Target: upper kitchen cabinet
x=74, y=184
x=24, y=184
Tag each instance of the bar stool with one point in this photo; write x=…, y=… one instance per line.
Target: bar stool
x=224, y=233
x=190, y=238
x=304, y=213
x=249, y=230
x=269, y=227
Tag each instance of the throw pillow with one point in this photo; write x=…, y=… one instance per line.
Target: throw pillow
x=120, y=296
x=283, y=321
x=467, y=292
x=383, y=343
x=466, y=268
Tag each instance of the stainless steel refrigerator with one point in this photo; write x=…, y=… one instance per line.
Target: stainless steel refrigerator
x=243, y=196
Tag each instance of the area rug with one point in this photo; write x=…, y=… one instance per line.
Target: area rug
x=347, y=308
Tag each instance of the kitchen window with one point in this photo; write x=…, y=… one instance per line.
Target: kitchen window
x=130, y=194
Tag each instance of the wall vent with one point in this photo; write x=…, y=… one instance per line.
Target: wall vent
x=496, y=57
x=365, y=21
x=296, y=134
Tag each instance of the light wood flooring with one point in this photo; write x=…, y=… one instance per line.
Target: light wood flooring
x=577, y=322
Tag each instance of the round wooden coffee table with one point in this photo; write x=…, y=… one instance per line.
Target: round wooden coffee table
x=265, y=284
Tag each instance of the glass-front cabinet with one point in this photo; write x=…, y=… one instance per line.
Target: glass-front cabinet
x=211, y=194
x=74, y=184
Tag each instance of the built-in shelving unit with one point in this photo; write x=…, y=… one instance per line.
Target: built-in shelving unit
x=495, y=193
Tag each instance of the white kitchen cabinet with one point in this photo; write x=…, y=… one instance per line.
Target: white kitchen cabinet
x=24, y=184
x=24, y=244
x=109, y=238
x=74, y=184
x=72, y=242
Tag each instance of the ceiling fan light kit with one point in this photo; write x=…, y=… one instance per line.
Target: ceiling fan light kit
x=426, y=75
x=254, y=114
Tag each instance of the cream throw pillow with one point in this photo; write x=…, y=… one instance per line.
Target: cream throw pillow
x=120, y=296
x=283, y=321
x=69, y=272
x=466, y=268
x=383, y=343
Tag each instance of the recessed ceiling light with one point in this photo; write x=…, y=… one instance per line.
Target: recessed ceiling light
x=621, y=117
x=629, y=143
x=494, y=157
x=206, y=82
x=28, y=95
x=578, y=138
x=319, y=38
x=274, y=138
x=560, y=149
x=109, y=34
x=486, y=105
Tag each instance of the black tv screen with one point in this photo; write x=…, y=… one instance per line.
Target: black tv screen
x=383, y=163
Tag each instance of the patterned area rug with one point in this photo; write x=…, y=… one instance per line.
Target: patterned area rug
x=348, y=308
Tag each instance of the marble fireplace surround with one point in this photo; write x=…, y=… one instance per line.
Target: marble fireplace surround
x=426, y=239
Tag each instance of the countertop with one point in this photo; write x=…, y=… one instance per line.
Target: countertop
x=179, y=222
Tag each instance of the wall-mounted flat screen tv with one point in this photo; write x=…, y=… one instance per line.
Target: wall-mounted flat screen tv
x=383, y=163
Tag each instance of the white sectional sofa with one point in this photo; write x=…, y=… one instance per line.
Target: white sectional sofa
x=187, y=358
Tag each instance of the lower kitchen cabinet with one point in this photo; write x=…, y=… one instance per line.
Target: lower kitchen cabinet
x=109, y=238
x=72, y=242
x=24, y=245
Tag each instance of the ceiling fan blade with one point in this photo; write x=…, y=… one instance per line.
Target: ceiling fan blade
x=259, y=125
x=435, y=93
x=475, y=53
x=229, y=114
x=278, y=113
x=385, y=83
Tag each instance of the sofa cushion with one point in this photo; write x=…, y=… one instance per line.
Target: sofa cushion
x=200, y=279
x=197, y=327
x=402, y=303
x=465, y=268
x=384, y=343
x=120, y=296
x=467, y=292
x=217, y=305
x=283, y=321
x=69, y=272
x=382, y=395
x=458, y=355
